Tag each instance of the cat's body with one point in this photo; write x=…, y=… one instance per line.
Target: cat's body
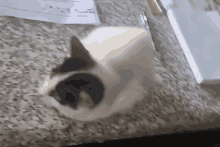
x=109, y=66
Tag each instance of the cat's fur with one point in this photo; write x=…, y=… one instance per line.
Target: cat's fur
x=110, y=65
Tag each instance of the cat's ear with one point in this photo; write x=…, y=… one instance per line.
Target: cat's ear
x=77, y=49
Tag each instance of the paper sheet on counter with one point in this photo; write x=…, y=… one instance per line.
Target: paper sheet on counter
x=57, y=11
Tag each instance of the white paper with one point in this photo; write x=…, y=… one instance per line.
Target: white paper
x=57, y=11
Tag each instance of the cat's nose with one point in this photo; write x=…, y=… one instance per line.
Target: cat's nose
x=84, y=95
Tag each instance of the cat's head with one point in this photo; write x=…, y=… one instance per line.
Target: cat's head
x=75, y=77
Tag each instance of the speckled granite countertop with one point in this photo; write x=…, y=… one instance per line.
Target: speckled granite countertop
x=29, y=49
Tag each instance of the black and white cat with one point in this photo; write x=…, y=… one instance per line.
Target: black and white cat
x=109, y=67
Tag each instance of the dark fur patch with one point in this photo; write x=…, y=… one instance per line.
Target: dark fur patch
x=69, y=89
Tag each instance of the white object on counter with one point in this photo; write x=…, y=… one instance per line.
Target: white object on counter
x=198, y=33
